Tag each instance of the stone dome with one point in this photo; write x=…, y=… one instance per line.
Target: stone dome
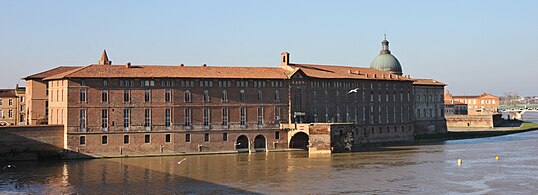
x=386, y=61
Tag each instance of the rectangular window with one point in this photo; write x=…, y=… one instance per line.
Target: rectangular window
x=82, y=140
x=224, y=95
x=224, y=137
x=242, y=96
x=105, y=83
x=187, y=96
x=188, y=113
x=126, y=119
x=104, y=139
x=147, y=95
x=104, y=119
x=147, y=119
x=148, y=83
x=168, y=95
x=225, y=113
x=126, y=95
x=82, y=120
x=167, y=83
x=206, y=137
x=83, y=95
x=206, y=118
x=188, y=137
x=243, y=117
x=147, y=139
x=1, y=101
x=125, y=139
x=277, y=115
x=260, y=96
x=277, y=135
x=277, y=96
x=167, y=114
x=206, y=96
x=46, y=109
x=167, y=138
x=10, y=102
x=104, y=95
x=260, y=117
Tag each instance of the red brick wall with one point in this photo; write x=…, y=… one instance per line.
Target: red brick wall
x=31, y=138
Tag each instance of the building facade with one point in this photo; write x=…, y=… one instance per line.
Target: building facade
x=12, y=106
x=429, y=106
x=143, y=109
x=37, y=94
x=455, y=108
x=483, y=104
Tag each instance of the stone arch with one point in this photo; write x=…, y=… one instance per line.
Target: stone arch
x=299, y=141
x=260, y=143
x=242, y=143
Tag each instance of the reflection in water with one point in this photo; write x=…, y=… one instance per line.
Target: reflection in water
x=423, y=169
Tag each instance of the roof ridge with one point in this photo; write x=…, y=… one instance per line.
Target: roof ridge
x=67, y=73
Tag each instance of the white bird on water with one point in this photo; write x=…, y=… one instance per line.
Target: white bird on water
x=179, y=162
x=353, y=91
x=9, y=166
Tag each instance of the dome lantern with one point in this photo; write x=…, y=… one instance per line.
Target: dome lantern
x=385, y=60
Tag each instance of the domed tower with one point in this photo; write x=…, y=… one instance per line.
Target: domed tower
x=386, y=61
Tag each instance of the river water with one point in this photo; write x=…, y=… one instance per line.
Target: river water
x=418, y=169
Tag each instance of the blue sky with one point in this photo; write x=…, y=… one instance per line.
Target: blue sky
x=474, y=46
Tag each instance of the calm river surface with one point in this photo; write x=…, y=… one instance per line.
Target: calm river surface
x=420, y=169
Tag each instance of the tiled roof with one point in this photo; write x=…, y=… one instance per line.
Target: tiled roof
x=7, y=93
x=473, y=96
x=346, y=72
x=427, y=82
x=143, y=71
x=51, y=72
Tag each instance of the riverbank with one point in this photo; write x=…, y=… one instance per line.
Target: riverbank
x=469, y=133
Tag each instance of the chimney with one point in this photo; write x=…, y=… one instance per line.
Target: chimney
x=204, y=65
x=182, y=65
x=128, y=65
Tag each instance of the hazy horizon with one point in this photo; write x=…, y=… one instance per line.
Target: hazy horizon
x=473, y=46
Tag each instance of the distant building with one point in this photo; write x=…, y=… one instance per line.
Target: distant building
x=483, y=104
x=12, y=106
x=453, y=107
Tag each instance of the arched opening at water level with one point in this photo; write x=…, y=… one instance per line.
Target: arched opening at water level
x=259, y=143
x=241, y=145
x=299, y=141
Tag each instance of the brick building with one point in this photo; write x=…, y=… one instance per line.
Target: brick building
x=12, y=106
x=429, y=106
x=483, y=104
x=143, y=109
x=37, y=94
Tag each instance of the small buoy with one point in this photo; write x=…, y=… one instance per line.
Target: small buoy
x=497, y=157
x=459, y=162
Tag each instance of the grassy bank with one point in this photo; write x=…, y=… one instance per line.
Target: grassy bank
x=525, y=126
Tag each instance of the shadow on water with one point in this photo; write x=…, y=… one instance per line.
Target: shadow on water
x=106, y=176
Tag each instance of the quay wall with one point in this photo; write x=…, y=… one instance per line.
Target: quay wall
x=31, y=142
x=473, y=121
